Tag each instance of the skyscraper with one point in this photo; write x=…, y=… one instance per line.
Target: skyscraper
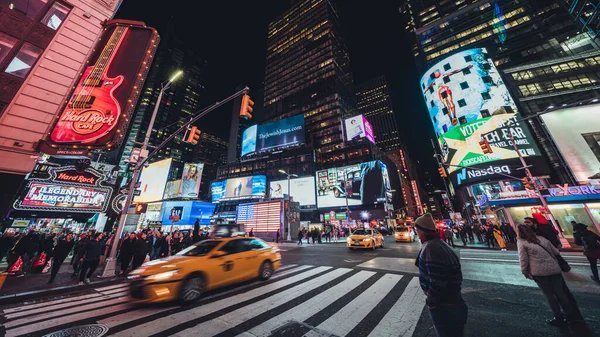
x=373, y=101
x=178, y=102
x=212, y=151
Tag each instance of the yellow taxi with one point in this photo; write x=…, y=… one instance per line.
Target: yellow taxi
x=203, y=266
x=404, y=233
x=365, y=238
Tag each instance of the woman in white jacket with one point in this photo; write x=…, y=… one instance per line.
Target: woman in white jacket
x=538, y=262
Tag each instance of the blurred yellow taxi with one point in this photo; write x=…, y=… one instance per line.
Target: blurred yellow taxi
x=365, y=238
x=404, y=234
x=203, y=266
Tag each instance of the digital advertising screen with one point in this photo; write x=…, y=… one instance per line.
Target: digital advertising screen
x=274, y=136
x=576, y=133
x=172, y=189
x=41, y=195
x=261, y=216
x=359, y=184
x=243, y=187
x=153, y=181
x=191, y=178
x=217, y=190
x=358, y=127
x=302, y=190
x=468, y=102
x=188, y=212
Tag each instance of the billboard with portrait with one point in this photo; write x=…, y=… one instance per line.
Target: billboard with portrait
x=273, y=136
x=242, y=187
x=302, y=190
x=359, y=184
x=576, y=133
x=153, y=181
x=188, y=212
x=191, y=178
x=468, y=102
x=358, y=127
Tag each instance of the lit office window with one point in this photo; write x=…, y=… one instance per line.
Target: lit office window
x=56, y=15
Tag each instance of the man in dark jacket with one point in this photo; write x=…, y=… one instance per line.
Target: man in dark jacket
x=141, y=248
x=78, y=253
x=161, y=246
x=545, y=230
x=591, y=247
x=440, y=276
x=60, y=253
x=126, y=252
x=91, y=253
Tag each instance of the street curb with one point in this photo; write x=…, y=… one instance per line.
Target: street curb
x=14, y=298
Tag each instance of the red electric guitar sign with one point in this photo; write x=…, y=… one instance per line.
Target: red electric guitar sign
x=97, y=113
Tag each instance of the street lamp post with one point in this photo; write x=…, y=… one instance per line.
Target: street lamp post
x=289, y=234
x=109, y=268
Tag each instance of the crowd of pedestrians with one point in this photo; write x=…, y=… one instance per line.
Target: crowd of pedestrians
x=491, y=235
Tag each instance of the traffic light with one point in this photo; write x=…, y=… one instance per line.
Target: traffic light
x=193, y=136
x=485, y=146
x=527, y=183
x=442, y=172
x=247, y=107
x=141, y=208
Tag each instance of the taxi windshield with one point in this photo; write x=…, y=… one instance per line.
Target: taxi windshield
x=361, y=232
x=199, y=249
x=402, y=229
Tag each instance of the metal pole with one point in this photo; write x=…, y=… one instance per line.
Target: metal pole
x=289, y=236
x=564, y=241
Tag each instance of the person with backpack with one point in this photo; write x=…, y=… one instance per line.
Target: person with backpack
x=591, y=247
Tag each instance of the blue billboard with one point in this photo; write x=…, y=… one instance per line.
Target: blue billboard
x=273, y=136
x=239, y=188
x=188, y=212
x=217, y=190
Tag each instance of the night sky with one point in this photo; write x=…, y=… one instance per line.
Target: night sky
x=231, y=36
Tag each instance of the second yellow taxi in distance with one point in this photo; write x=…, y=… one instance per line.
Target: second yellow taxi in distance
x=365, y=238
x=203, y=266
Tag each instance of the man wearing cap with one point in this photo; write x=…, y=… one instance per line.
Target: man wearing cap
x=440, y=277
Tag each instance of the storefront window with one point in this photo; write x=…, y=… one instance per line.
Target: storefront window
x=6, y=44
x=595, y=210
x=24, y=60
x=564, y=214
x=519, y=213
x=55, y=15
x=29, y=8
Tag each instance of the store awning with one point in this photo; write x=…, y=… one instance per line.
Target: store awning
x=79, y=217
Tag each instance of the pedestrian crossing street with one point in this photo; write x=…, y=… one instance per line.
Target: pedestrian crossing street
x=298, y=300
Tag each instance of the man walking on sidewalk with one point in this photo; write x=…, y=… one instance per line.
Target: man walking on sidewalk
x=91, y=257
x=61, y=250
x=440, y=277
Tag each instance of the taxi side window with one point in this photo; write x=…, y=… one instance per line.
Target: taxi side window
x=234, y=247
x=256, y=245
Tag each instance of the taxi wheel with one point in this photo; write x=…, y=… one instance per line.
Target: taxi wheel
x=373, y=247
x=192, y=289
x=266, y=270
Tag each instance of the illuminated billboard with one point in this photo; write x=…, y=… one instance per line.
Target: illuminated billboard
x=576, y=133
x=239, y=188
x=273, y=136
x=467, y=102
x=302, y=190
x=172, y=189
x=188, y=211
x=191, y=178
x=153, y=181
x=99, y=109
x=358, y=127
x=359, y=184
x=263, y=217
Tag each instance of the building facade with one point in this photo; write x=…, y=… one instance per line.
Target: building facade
x=43, y=48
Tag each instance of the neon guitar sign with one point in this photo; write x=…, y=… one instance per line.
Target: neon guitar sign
x=92, y=111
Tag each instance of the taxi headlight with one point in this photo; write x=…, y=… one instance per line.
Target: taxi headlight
x=163, y=276
x=348, y=239
x=366, y=239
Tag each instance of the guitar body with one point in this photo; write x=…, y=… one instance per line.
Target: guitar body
x=92, y=109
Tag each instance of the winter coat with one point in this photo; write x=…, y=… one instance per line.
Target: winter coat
x=79, y=247
x=62, y=249
x=127, y=249
x=537, y=261
x=588, y=239
x=547, y=232
x=141, y=247
x=92, y=250
x=188, y=241
x=440, y=274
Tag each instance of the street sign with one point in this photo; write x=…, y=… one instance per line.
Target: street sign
x=137, y=192
x=135, y=155
x=125, y=174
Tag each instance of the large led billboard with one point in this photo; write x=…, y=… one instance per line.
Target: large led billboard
x=358, y=127
x=188, y=212
x=153, y=181
x=273, y=136
x=172, y=189
x=239, y=188
x=359, y=184
x=467, y=102
x=190, y=180
x=57, y=196
x=302, y=190
x=576, y=133
x=261, y=216
x=98, y=111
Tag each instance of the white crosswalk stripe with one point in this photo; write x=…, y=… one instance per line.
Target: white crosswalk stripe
x=320, y=300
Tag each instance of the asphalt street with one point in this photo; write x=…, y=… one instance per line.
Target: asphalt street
x=322, y=290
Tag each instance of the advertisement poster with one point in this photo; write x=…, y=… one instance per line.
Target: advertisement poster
x=188, y=211
x=261, y=217
x=172, y=189
x=468, y=101
x=57, y=196
x=302, y=190
x=99, y=109
x=153, y=181
x=274, y=136
x=365, y=183
x=191, y=178
x=576, y=133
x=358, y=127
x=217, y=190
x=252, y=186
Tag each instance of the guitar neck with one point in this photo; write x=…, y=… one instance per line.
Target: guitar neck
x=106, y=57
